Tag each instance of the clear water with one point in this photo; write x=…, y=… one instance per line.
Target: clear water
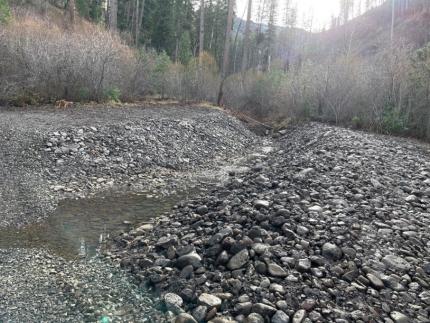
x=80, y=227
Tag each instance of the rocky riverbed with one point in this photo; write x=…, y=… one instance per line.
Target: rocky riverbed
x=47, y=154
x=103, y=154
x=331, y=226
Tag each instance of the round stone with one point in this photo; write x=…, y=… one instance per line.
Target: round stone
x=210, y=300
x=331, y=251
x=173, y=302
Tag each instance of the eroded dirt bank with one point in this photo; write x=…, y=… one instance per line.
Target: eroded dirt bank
x=331, y=226
x=47, y=154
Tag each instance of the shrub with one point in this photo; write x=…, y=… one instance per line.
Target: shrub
x=40, y=58
x=4, y=12
x=113, y=94
x=394, y=122
x=356, y=122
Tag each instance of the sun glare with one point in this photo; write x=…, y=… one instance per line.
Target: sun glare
x=315, y=14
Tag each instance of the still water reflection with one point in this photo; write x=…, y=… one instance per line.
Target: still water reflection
x=79, y=227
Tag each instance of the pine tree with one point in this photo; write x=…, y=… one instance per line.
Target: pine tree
x=185, y=53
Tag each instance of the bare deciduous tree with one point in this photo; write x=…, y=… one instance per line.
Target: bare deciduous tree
x=247, y=37
x=202, y=31
x=113, y=14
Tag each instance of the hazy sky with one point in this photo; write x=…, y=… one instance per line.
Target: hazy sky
x=321, y=10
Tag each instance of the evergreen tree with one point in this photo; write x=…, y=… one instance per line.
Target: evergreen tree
x=185, y=53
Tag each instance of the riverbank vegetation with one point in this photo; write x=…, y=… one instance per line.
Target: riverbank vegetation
x=84, y=51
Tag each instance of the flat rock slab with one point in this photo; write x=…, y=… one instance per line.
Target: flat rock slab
x=396, y=263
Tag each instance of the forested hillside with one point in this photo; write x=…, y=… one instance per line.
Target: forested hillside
x=369, y=69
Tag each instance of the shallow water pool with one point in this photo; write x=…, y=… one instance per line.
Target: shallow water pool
x=79, y=228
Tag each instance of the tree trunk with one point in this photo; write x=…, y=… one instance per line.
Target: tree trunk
x=225, y=63
x=140, y=21
x=202, y=30
x=113, y=14
x=393, y=17
x=247, y=38
x=136, y=25
x=70, y=14
x=226, y=55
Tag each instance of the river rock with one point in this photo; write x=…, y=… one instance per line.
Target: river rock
x=280, y=317
x=254, y=318
x=199, y=313
x=263, y=309
x=192, y=258
x=276, y=270
x=185, y=318
x=173, y=302
x=396, y=263
x=316, y=208
x=331, y=251
x=375, y=281
x=261, y=204
x=400, y=318
x=299, y=316
x=209, y=300
x=238, y=260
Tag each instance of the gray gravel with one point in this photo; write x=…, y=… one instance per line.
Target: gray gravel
x=36, y=286
x=331, y=226
x=47, y=154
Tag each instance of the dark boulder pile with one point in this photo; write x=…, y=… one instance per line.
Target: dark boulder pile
x=331, y=226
